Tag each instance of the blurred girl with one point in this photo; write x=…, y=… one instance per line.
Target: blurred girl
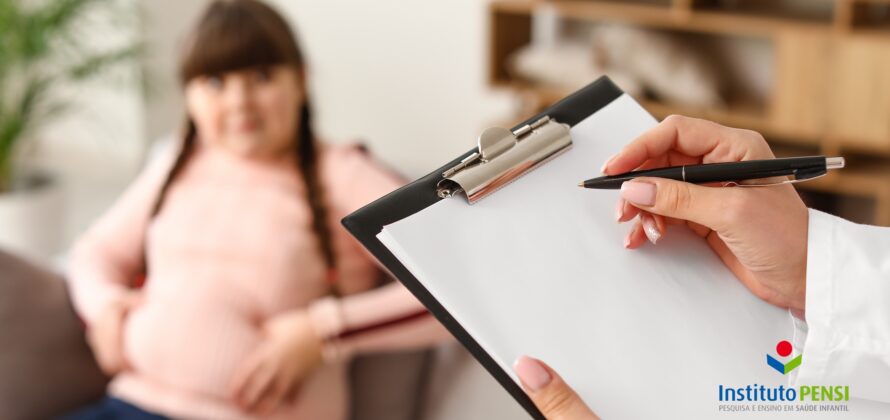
x=255, y=295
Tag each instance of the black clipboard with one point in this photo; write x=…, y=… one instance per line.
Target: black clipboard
x=369, y=221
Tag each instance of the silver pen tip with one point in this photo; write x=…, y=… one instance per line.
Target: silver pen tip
x=581, y=184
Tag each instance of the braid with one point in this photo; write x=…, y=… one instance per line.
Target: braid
x=307, y=157
x=188, y=144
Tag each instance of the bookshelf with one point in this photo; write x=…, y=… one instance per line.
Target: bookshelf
x=829, y=93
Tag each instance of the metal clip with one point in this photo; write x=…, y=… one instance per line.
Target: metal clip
x=769, y=182
x=502, y=156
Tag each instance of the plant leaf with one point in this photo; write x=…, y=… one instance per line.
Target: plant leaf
x=95, y=64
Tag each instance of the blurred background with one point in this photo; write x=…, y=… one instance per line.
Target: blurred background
x=416, y=81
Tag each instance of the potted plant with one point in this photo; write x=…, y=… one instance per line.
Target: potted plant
x=43, y=51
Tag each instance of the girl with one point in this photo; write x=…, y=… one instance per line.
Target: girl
x=255, y=296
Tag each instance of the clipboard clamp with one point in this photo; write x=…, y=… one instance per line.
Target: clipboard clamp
x=502, y=156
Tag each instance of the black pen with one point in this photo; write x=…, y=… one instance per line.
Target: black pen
x=800, y=167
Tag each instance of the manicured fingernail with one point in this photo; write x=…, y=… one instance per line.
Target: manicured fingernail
x=650, y=228
x=638, y=192
x=608, y=161
x=532, y=373
x=628, y=237
x=619, y=210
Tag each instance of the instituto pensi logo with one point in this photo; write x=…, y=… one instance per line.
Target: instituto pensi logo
x=783, y=349
x=804, y=398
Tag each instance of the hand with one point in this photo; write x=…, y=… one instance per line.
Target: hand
x=105, y=334
x=272, y=374
x=760, y=233
x=549, y=392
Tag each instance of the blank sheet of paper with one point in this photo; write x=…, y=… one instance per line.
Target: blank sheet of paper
x=538, y=268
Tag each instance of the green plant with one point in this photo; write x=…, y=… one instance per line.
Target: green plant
x=42, y=47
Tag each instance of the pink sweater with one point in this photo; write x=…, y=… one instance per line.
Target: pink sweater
x=231, y=248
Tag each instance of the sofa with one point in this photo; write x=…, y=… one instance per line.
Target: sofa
x=46, y=367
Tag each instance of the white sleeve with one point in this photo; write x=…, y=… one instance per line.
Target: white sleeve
x=847, y=327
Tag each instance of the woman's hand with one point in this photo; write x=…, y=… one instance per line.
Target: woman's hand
x=549, y=392
x=105, y=334
x=272, y=374
x=759, y=233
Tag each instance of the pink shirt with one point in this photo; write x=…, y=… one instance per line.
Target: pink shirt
x=232, y=247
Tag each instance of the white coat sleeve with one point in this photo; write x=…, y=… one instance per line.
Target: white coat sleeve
x=847, y=329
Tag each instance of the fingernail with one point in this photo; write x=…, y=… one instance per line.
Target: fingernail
x=638, y=192
x=628, y=237
x=608, y=161
x=650, y=228
x=619, y=210
x=532, y=373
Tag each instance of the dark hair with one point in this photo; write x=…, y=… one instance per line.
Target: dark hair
x=240, y=34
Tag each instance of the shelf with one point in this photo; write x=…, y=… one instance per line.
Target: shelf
x=740, y=115
x=750, y=116
x=815, y=12
x=657, y=16
x=735, y=115
x=864, y=17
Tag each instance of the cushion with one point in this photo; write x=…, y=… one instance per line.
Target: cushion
x=46, y=367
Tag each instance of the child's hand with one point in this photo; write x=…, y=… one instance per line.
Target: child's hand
x=272, y=374
x=105, y=335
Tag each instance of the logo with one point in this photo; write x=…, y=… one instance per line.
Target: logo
x=804, y=398
x=784, y=349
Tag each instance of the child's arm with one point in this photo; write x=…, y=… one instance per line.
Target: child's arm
x=107, y=259
x=387, y=318
x=383, y=319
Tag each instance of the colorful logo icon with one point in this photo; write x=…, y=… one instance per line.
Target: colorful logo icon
x=784, y=349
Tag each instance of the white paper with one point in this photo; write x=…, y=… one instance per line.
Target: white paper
x=538, y=268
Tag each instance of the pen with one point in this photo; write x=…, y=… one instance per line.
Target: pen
x=800, y=167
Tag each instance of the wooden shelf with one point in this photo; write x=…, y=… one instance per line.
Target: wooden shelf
x=852, y=16
x=735, y=115
x=657, y=16
x=750, y=116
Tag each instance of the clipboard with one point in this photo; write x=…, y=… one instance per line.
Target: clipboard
x=495, y=146
x=535, y=270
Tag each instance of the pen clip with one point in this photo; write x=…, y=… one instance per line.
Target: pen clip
x=772, y=184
